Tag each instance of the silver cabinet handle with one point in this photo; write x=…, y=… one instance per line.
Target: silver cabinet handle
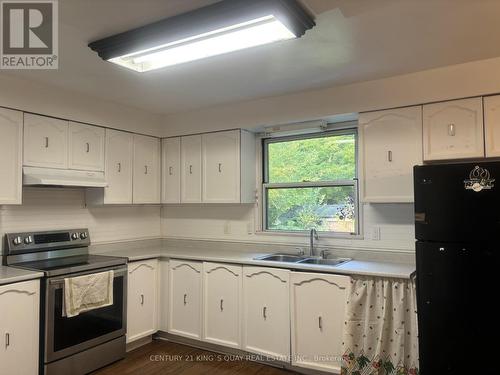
x=145, y=169
x=221, y=305
x=220, y=168
x=7, y=340
x=264, y=312
x=389, y=156
x=170, y=171
x=88, y=147
x=185, y=302
x=451, y=130
x=320, y=323
x=119, y=167
x=190, y=169
x=142, y=299
x=46, y=142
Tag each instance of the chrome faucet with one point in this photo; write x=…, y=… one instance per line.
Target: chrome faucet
x=313, y=235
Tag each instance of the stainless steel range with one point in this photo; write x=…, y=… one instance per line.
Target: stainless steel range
x=90, y=340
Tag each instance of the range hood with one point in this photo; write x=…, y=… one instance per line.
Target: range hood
x=62, y=177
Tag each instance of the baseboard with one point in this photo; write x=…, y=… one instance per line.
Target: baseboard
x=138, y=343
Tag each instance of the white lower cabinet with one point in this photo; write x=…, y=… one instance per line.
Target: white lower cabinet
x=142, y=299
x=266, y=312
x=163, y=296
x=318, y=304
x=19, y=327
x=184, y=298
x=222, y=304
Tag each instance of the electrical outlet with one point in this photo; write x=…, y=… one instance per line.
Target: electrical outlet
x=227, y=227
x=375, y=233
x=249, y=227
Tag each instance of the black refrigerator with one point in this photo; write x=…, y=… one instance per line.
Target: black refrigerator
x=457, y=227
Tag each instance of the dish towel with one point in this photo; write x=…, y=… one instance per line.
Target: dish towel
x=87, y=292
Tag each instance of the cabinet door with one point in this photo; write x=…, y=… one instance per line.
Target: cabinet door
x=391, y=147
x=185, y=301
x=318, y=308
x=45, y=142
x=221, y=167
x=191, y=169
x=492, y=125
x=86, y=147
x=146, y=177
x=11, y=156
x=141, y=299
x=171, y=168
x=453, y=130
x=163, y=291
x=19, y=326
x=118, y=167
x=222, y=295
x=266, y=312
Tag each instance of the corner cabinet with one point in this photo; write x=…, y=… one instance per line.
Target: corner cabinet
x=217, y=167
x=222, y=304
x=45, y=142
x=11, y=156
x=19, y=327
x=86, y=147
x=318, y=303
x=266, y=312
x=391, y=144
x=146, y=170
x=185, y=298
x=453, y=130
x=142, y=299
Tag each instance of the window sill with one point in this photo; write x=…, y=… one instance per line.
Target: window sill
x=343, y=236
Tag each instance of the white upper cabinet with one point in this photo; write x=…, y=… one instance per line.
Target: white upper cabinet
x=185, y=298
x=391, y=144
x=221, y=304
x=118, y=167
x=19, y=326
x=45, y=142
x=492, y=125
x=11, y=156
x=266, y=311
x=318, y=303
x=86, y=147
x=191, y=169
x=171, y=170
x=221, y=167
x=146, y=171
x=142, y=297
x=453, y=130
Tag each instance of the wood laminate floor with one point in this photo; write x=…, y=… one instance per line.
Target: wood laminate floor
x=163, y=357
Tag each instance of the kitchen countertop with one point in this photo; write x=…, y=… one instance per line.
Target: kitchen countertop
x=9, y=275
x=141, y=250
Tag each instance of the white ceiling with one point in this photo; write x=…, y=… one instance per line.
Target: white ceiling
x=354, y=40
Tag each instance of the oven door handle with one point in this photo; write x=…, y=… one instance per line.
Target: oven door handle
x=117, y=273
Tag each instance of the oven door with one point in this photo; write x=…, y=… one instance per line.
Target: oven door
x=66, y=336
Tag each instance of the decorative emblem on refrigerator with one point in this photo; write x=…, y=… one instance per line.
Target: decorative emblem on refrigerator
x=479, y=179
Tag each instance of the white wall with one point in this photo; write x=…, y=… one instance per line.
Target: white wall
x=31, y=96
x=457, y=81
x=238, y=222
x=57, y=208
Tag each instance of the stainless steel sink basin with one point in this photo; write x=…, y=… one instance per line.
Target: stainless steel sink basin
x=289, y=258
x=325, y=262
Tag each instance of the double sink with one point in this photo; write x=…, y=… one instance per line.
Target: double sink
x=289, y=258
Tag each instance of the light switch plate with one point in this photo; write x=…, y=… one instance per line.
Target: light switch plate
x=375, y=233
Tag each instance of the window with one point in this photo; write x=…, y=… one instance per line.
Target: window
x=311, y=182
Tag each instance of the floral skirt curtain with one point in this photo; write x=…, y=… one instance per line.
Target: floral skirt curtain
x=380, y=331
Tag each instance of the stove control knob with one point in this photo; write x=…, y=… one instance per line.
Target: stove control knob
x=83, y=235
x=74, y=236
x=17, y=240
x=28, y=240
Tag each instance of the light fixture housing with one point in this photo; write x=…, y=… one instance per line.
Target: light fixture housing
x=223, y=27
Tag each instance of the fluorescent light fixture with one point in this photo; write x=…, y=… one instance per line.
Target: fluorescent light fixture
x=241, y=36
x=224, y=27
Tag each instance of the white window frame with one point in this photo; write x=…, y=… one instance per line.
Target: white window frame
x=264, y=185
